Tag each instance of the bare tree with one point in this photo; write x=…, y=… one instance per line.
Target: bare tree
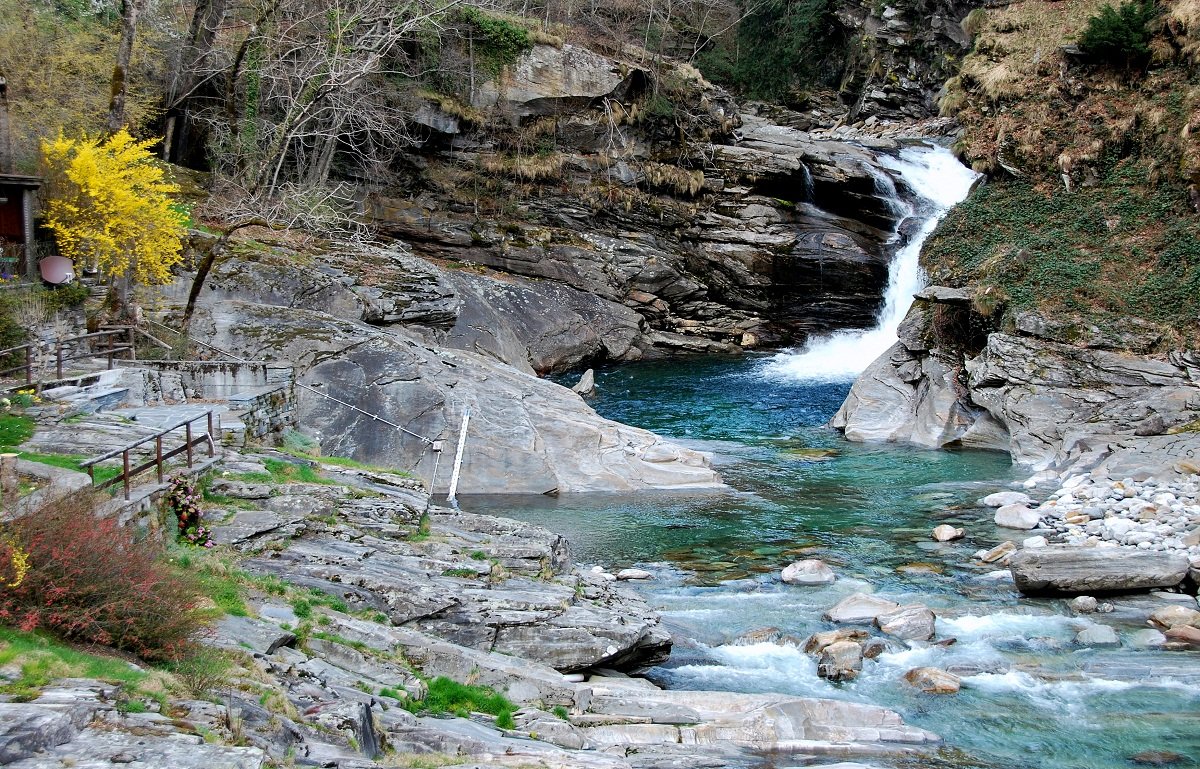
x=120, y=76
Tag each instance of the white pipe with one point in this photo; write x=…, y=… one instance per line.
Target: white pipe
x=458, y=455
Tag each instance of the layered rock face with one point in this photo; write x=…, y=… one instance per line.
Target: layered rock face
x=526, y=434
x=701, y=229
x=1051, y=393
x=900, y=54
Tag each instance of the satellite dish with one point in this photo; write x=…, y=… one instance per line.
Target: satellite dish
x=57, y=270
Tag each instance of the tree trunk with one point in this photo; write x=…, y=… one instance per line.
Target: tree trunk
x=120, y=76
x=6, y=157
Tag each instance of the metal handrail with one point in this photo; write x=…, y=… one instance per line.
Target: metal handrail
x=160, y=457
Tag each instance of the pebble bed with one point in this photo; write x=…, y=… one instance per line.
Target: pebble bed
x=1151, y=514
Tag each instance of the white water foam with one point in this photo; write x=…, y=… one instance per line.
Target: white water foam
x=941, y=182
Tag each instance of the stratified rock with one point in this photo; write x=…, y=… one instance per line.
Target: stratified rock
x=946, y=533
x=1173, y=616
x=810, y=572
x=910, y=623
x=860, y=608
x=840, y=661
x=1097, y=635
x=933, y=680
x=1017, y=517
x=1059, y=570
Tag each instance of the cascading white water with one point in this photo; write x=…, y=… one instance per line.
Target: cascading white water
x=940, y=181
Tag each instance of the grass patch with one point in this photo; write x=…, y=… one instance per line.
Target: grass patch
x=15, y=429
x=447, y=696
x=42, y=659
x=219, y=579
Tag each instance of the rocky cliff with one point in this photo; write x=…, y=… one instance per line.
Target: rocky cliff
x=693, y=226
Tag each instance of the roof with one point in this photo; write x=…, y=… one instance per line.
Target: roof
x=17, y=180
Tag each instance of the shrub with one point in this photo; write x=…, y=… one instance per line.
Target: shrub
x=448, y=696
x=89, y=580
x=183, y=500
x=1120, y=37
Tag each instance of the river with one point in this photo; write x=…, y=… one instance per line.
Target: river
x=1030, y=697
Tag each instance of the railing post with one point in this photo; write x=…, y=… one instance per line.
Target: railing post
x=58, y=354
x=211, y=439
x=158, y=456
x=92, y=473
x=125, y=474
x=188, y=426
x=28, y=364
x=132, y=347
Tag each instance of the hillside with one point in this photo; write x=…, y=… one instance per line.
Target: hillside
x=1091, y=208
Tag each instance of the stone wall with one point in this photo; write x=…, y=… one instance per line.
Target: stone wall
x=265, y=412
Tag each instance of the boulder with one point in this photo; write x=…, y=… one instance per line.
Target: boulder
x=817, y=642
x=933, y=680
x=809, y=572
x=946, y=532
x=1097, y=635
x=1069, y=570
x=998, y=553
x=910, y=623
x=1004, y=498
x=1173, y=616
x=586, y=384
x=1083, y=604
x=1185, y=634
x=860, y=609
x=626, y=574
x=840, y=661
x=1017, y=517
x=1146, y=638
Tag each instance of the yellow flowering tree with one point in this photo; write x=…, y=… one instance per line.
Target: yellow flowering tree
x=110, y=206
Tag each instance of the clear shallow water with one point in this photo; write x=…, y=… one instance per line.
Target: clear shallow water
x=1030, y=698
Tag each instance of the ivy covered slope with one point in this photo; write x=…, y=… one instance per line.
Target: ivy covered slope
x=1085, y=120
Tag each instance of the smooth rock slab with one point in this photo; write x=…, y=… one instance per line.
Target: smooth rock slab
x=860, y=608
x=1067, y=570
x=810, y=572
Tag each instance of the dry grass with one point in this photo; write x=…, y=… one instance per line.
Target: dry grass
x=530, y=168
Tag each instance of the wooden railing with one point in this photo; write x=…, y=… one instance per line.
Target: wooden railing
x=127, y=472
x=26, y=367
x=110, y=351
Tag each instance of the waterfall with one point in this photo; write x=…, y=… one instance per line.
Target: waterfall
x=939, y=181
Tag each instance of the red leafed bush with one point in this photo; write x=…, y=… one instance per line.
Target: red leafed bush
x=89, y=580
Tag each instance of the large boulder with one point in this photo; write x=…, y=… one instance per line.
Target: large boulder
x=910, y=623
x=860, y=608
x=933, y=680
x=810, y=572
x=1017, y=517
x=840, y=661
x=1071, y=570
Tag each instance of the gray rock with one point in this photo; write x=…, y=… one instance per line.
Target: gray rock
x=586, y=384
x=1017, y=517
x=860, y=608
x=809, y=572
x=911, y=623
x=1084, y=604
x=946, y=533
x=840, y=661
x=1003, y=498
x=249, y=634
x=639, y=574
x=1146, y=638
x=1097, y=635
x=933, y=680
x=1065, y=570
